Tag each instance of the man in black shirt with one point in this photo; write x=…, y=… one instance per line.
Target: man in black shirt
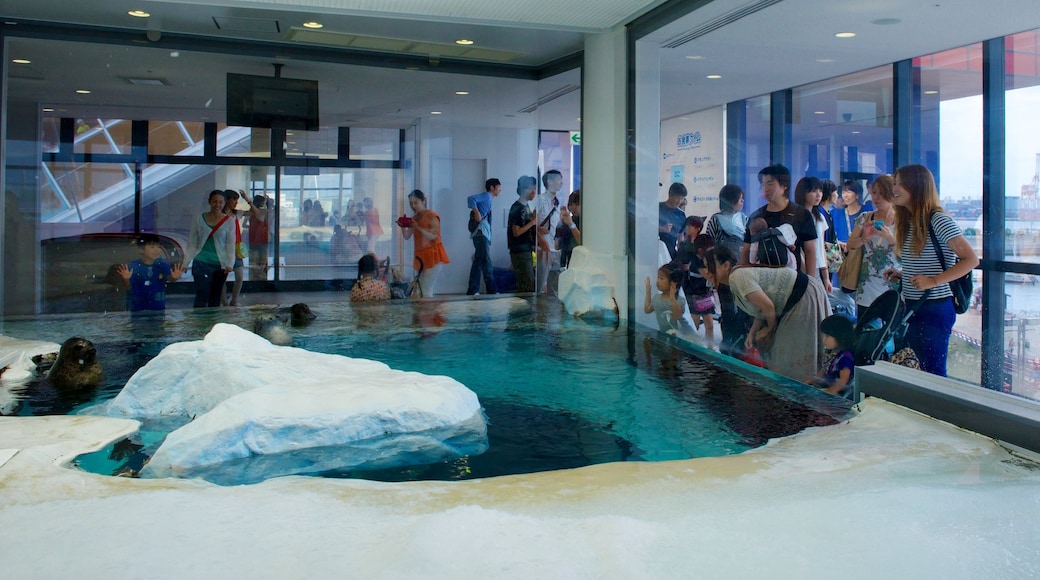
x=520, y=233
x=670, y=219
x=776, y=187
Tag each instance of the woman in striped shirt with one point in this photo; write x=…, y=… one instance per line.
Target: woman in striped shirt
x=917, y=211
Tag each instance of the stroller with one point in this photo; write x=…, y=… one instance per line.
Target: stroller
x=880, y=329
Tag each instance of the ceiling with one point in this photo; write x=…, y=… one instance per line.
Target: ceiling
x=757, y=46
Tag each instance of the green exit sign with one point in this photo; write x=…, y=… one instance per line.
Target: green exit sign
x=575, y=138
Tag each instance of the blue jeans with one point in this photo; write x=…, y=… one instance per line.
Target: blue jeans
x=928, y=333
x=481, y=266
x=209, y=283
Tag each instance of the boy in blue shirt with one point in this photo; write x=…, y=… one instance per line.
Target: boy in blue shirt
x=146, y=278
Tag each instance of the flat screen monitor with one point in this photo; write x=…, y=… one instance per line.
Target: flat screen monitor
x=272, y=102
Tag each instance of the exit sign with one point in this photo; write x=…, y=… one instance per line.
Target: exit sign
x=575, y=138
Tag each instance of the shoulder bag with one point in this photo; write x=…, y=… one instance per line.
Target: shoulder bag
x=961, y=287
x=848, y=272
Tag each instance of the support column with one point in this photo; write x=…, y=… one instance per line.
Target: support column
x=604, y=215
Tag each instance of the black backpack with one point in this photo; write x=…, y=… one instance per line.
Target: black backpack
x=473, y=224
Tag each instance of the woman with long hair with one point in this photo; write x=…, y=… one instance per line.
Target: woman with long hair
x=808, y=193
x=917, y=213
x=425, y=228
x=874, y=233
x=787, y=307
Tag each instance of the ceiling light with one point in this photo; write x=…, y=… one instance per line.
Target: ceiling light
x=48, y=109
x=21, y=60
x=435, y=112
x=855, y=132
x=464, y=42
x=139, y=13
x=931, y=92
x=819, y=113
x=461, y=92
x=825, y=60
x=714, y=76
x=695, y=57
x=83, y=91
x=174, y=54
x=845, y=34
x=313, y=24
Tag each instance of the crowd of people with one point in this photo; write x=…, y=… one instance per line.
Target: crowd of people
x=776, y=273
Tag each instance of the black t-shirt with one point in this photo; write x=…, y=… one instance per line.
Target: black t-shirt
x=674, y=216
x=801, y=220
x=519, y=215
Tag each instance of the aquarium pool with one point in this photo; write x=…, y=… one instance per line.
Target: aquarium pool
x=558, y=392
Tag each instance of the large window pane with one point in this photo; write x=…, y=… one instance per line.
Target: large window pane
x=842, y=127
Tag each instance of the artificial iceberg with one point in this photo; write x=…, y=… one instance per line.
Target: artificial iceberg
x=242, y=410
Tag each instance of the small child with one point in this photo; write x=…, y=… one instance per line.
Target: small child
x=835, y=376
x=697, y=288
x=147, y=278
x=669, y=305
x=368, y=287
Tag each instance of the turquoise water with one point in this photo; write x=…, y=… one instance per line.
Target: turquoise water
x=558, y=392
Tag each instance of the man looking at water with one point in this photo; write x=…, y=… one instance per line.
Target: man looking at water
x=480, y=208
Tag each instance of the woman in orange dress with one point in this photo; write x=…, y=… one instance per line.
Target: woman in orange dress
x=425, y=226
x=372, y=227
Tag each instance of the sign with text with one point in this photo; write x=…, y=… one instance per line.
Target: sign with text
x=692, y=150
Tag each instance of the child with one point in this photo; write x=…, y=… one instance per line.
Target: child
x=147, y=278
x=835, y=376
x=368, y=287
x=698, y=291
x=669, y=305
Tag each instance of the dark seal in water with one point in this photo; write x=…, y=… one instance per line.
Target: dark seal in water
x=76, y=366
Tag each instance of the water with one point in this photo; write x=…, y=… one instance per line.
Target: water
x=558, y=392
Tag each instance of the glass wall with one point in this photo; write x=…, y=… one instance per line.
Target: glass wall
x=947, y=93
x=1022, y=212
x=99, y=148
x=842, y=127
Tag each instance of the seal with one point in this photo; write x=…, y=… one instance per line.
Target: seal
x=272, y=327
x=76, y=367
x=301, y=314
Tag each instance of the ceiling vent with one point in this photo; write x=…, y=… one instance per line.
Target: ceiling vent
x=258, y=25
x=550, y=97
x=724, y=20
x=147, y=82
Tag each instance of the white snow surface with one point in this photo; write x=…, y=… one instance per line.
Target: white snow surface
x=887, y=494
x=250, y=410
x=17, y=366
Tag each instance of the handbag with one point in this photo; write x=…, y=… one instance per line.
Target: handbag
x=473, y=223
x=961, y=287
x=835, y=257
x=851, y=265
x=702, y=304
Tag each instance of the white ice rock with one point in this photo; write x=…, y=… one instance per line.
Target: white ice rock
x=251, y=410
x=16, y=357
x=587, y=284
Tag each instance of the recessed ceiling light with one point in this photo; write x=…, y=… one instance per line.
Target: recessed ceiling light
x=139, y=13
x=825, y=60
x=886, y=21
x=819, y=113
x=464, y=41
x=855, y=132
x=931, y=92
x=21, y=60
x=435, y=112
x=695, y=57
x=48, y=110
x=845, y=34
x=461, y=92
x=174, y=54
x=313, y=24
x=83, y=91
x=714, y=76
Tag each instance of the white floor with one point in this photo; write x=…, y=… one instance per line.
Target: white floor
x=889, y=494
